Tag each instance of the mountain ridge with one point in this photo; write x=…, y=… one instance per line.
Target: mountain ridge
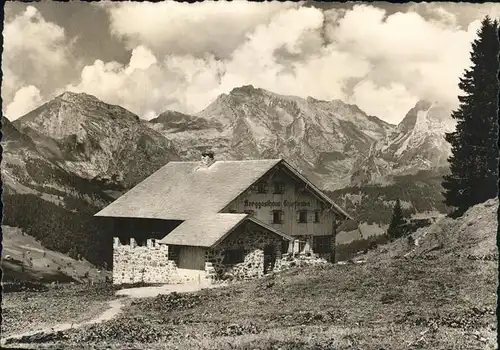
x=336, y=143
x=73, y=155
x=94, y=139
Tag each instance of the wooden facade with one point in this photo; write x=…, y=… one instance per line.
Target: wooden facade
x=283, y=202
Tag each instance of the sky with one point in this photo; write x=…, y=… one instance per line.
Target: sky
x=152, y=57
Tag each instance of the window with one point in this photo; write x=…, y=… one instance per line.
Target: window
x=250, y=212
x=234, y=256
x=262, y=187
x=277, y=216
x=302, y=216
x=317, y=215
x=279, y=188
x=322, y=244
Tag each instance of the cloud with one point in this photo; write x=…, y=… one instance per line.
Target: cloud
x=411, y=58
x=35, y=52
x=25, y=99
x=455, y=14
x=286, y=55
x=383, y=63
x=176, y=28
x=387, y=101
x=147, y=85
x=184, y=55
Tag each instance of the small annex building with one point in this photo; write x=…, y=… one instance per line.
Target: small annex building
x=193, y=220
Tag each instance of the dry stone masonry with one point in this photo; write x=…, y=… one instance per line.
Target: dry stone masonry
x=261, y=253
x=149, y=264
x=254, y=243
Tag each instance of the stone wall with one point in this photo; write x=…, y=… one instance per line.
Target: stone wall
x=253, y=240
x=151, y=264
x=148, y=264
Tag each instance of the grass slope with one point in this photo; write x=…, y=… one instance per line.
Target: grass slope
x=439, y=294
x=75, y=233
x=24, y=258
x=25, y=311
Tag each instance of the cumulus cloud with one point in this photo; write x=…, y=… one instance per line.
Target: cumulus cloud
x=184, y=55
x=383, y=101
x=189, y=29
x=410, y=56
x=383, y=63
x=275, y=56
x=455, y=14
x=25, y=99
x=147, y=85
x=35, y=53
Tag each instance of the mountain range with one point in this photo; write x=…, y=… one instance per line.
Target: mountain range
x=74, y=154
x=333, y=143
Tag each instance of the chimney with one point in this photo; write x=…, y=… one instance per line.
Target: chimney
x=207, y=159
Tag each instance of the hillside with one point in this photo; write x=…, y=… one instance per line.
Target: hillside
x=436, y=294
x=73, y=155
x=24, y=258
x=420, y=194
x=65, y=161
x=93, y=139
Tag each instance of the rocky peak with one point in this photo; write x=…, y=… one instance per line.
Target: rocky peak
x=245, y=89
x=410, y=120
x=67, y=113
x=76, y=97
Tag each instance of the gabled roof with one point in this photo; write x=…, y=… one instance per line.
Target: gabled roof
x=210, y=229
x=184, y=190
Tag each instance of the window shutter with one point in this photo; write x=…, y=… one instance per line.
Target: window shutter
x=271, y=218
x=266, y=187
x=298, y=215
x=310, y=216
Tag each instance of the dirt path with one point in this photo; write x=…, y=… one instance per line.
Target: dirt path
x=149, y=292
x=115, y=307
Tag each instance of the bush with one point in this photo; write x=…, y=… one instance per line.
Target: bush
x=169, y=302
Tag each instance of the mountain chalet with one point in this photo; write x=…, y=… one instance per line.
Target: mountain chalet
x=214, y=219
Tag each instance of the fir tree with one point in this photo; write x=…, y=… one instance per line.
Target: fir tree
x=396, y=227
x=474, y=161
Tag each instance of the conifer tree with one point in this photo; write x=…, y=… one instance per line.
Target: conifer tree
x=396, y=228
x=474, y=160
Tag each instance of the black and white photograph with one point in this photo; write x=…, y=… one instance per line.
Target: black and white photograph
x=249, y=175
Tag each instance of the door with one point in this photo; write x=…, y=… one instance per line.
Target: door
x=191, y=258
x=269, y=258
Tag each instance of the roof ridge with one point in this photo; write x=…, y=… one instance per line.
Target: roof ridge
x=249, y=160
